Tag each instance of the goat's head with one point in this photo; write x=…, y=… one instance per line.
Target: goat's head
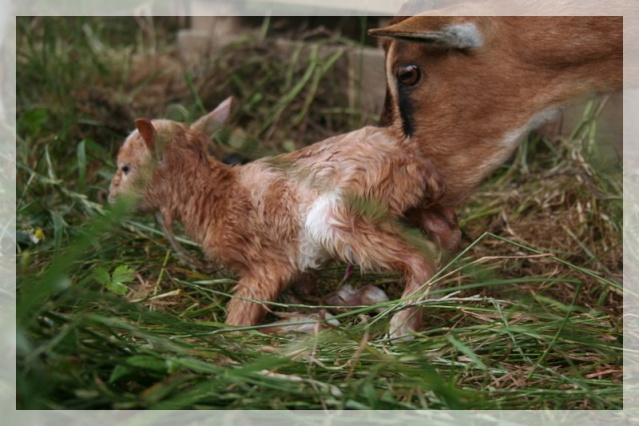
x=145, y=152
x=467, y=88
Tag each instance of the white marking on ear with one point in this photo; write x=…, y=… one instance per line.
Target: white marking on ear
x=461, y=36
x=465, y=35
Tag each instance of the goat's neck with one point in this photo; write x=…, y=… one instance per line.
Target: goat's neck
x=198, y=194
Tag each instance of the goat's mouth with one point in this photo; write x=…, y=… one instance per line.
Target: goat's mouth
x=132, y=200
x=112, y=199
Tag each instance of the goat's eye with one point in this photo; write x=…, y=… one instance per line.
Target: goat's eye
x=126, y=169
x=408, y=75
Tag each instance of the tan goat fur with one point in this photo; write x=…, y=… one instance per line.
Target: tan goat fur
x=467, y=88
x=275, y=218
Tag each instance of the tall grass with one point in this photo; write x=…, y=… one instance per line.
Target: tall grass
x=109, y=318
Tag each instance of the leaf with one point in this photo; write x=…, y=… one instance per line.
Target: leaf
x=467, y=351
x=82, y=164
x=160, y=390
x=147, y=362
x=58, y=230
x=123, y=274
x=101, y=275
x=96, y=149
x=114, y=284
x=371, y=395
x=121, y=371
x=117, y=288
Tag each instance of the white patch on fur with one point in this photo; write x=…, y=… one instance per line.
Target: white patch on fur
x=462, y=36
x=317, y=232
x=513, y=137
x=543, y=117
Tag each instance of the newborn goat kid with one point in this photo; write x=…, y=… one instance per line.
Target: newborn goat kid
x=275, y=218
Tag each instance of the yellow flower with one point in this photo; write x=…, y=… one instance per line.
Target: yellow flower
x=36, y=235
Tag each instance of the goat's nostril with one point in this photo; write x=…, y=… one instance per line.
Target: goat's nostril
x=408, y=75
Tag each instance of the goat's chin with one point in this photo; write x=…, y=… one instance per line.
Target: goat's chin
x=133, y=202
x=113, y=200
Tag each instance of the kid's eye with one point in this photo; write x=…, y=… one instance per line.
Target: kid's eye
x=125, y=169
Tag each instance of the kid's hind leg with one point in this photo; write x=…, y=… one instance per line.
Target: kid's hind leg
x=374, y=243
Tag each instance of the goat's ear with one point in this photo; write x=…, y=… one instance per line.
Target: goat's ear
x=214, y=119
x=147, y=131
x=446, y=32
x=155, y=142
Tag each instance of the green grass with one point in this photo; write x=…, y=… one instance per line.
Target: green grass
x=528, y=316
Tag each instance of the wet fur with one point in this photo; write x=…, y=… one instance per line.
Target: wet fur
x=274, y=219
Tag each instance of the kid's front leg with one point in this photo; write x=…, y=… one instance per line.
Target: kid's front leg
x=167, y=228
x=252, y=296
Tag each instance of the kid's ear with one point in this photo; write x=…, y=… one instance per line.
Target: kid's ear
x=147, y=131
x=214, y=119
